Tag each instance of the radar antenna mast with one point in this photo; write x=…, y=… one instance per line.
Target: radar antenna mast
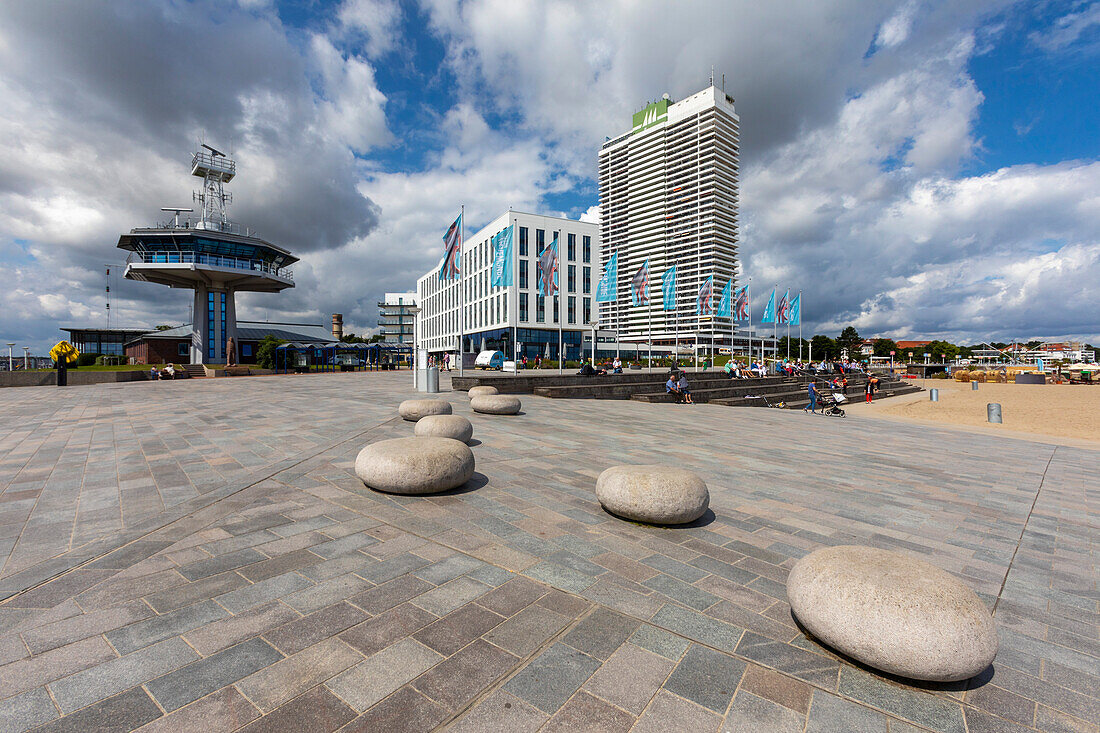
x=215, y=169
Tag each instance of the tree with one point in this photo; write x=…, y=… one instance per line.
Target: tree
x=792, y=342
x=163, y=327
x=883, y=347
x=824, y=348
x=943, y=349
x=265, y=354
x=850, y=341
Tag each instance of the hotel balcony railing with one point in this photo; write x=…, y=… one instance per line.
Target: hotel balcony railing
x=182, y=258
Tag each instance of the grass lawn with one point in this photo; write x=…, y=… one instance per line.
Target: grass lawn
x=120, y=368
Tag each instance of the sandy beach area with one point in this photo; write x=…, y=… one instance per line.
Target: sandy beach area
x=1058, y=411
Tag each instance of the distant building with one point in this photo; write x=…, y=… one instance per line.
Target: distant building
x=174, y=344
x=396, y=317
x=103, y=340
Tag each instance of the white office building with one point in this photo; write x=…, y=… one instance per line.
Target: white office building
x=395, y=318
x=668, y=193
x=514, y=319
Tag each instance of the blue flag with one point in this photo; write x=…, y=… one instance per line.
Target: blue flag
x=668, y=288
x=452, y=252
x=607, y=287
x=795, y=313
x=704, y=302
x=725, y=306
x=639, y=285
x=769, y=310
x=741, y=305
x=502, y=259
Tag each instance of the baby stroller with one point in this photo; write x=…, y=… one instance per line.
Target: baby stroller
x=830, y=404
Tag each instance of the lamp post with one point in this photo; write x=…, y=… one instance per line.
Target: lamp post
x=11, y=362
x=414, y=310
x=26, y=357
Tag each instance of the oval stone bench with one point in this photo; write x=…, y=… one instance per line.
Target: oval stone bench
x=482, y=390
x=495, y=404
x=653, y=494
x=415, y=465
x=455, y=427
x=413, y=410
x=894, y=612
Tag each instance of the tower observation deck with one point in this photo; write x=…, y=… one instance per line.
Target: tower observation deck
x=205, y=252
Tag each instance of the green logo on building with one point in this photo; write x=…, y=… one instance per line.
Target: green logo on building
x=651, y=115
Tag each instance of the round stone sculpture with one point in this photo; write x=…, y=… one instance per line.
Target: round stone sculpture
x=483, y=389
x=415, y=465
x=413, y=410
x=455, y=427
x=894, y=612
x=653, y=494
x=495, y=404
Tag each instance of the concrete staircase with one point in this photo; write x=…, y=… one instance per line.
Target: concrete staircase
x=194, y=370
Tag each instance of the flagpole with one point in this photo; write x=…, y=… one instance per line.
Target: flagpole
x=800, y=325
x=775, y=326
x=515, y=282
x=561, y=355
x=748, y=302
x=461, y=286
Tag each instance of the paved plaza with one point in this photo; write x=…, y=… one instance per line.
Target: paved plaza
x=199, y=555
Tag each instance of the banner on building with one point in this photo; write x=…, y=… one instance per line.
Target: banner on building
x=704, y=302
x=769, y=310
x=452, y=252
x=502, y=259
x=668, y=289
x=607, y=288
x=548, y=270
x=639, y=285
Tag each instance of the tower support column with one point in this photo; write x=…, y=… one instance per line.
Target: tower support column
x=231, y=326
x=200, y=328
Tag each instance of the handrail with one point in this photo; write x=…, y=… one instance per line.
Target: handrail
x=183, y=258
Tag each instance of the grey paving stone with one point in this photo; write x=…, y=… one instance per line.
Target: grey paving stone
x=263, y=591
x=706, y=677
x=805, y=665
x=560, y=576
x=919, y=707
x=457, y=680
x=586, y=712
x=143, y=633
x=326, y=593
x=32, y=672
x=501, y=712
x=184, y=595
x=50, y=636
x=526, y=631
x=750, y=713
x=200, y=678
x=630, y=678
x=292, y=637
x=669, y=712
x=393, y=625
x=723, y=570
x=131, y=554
x=215, y=565
x=391, y=568
x=457, y=629
x=317, y=710
x=26, y=711
x=343, y=546
x=601, y=632
x=117, y=675
x=660, y=642
x=680, y=591
x=447, y=598
x=552, y=677
x=697, y=626
x=449, y=569
x=405, y=711
x=491, y=575
x=220, y=712
x=216, y=636
x=128, y=711
x=370, y=681
x=391, y=593
x=274, y=685
x=675, y=568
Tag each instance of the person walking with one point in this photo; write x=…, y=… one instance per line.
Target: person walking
x=812, y=390
x=872, y=384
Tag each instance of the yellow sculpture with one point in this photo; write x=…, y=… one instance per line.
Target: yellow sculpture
x=64, y=353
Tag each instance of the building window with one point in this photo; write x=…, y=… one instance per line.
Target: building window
x=223, y=325
x=246, y=350
x=523, y=241
x=181, y=348
x=523, y=274
x=540, y=241
x=572, y=279
x=523, y=307
x=572, y=309
x=572, y=248
x=587, y=310
x=587, y=249
x=557, y=315
x=588, y=279
x=210, y=326
x=540, y=309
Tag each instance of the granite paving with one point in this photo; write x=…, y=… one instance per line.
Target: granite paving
x=199, y=555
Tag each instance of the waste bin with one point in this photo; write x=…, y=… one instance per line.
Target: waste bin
x=433, y=379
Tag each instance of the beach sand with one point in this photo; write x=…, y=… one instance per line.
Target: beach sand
x=1059, y=411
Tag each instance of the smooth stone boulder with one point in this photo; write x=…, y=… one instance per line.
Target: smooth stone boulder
x=894, y=612
x=413, y=410
x=455, y=427
x=415, y=465
x=495, y=404
x=653, y=494
x=475, y=391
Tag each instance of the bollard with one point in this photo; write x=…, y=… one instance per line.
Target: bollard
x=993, y=412
x=973, y=386
x=933, y=395
x=433, y=379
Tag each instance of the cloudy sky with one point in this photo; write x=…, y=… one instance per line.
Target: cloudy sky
x=916, y=168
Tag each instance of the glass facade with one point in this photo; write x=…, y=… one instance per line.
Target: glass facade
x=210, y=326
x=523, y=307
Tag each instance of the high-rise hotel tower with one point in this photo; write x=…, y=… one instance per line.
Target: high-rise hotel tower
x=668, y=193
